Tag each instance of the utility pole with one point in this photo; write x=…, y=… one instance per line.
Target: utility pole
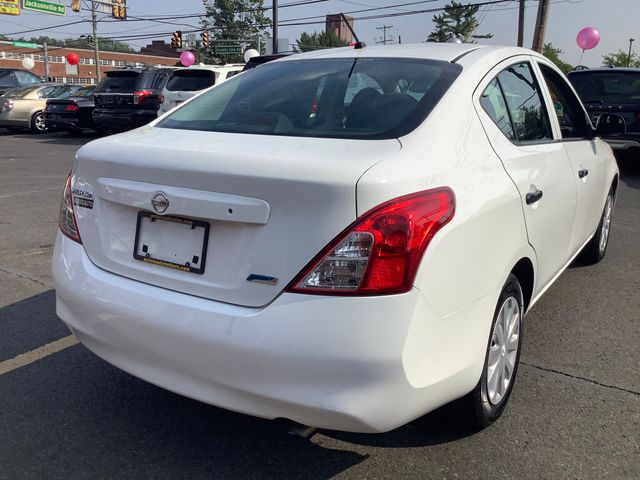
x=521, y=24
x=96, y=47
x=631, y=40
x=275, y=26
x=46, y=61
x=384, y=29
x=541, y=25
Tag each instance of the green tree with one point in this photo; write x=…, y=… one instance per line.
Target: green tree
x=620, y=58
x=232, y=20
x=457, y=20
x=553, y=54
x=314, y=41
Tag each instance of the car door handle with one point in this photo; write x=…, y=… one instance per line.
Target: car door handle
x=533, y=197
x=583, y=173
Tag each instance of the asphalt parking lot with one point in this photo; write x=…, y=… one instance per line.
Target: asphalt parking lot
x=574, y=412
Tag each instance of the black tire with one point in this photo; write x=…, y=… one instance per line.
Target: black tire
x=595, y=250
x=476, y=410
x=37, y=123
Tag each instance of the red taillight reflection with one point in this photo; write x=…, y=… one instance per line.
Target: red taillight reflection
x=140, y=95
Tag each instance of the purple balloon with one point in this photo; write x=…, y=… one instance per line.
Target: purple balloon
x=588, y=38
x=187, y=59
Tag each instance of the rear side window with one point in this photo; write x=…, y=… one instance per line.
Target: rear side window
x=191, y=80
x=524, y=103
x=492, y=101
x=8, y=79
x=120, y=82
x=333, y=97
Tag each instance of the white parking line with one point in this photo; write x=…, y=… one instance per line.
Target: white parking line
x=35, y=355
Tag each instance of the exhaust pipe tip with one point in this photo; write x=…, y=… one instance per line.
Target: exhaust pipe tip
x=302, y=431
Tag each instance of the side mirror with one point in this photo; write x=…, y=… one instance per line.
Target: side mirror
x=610, y=125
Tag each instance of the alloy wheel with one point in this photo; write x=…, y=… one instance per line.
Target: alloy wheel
x=606, y=225
x=503, y=352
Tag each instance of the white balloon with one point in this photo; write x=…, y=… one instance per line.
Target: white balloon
x=252, y=52
x=28, y=63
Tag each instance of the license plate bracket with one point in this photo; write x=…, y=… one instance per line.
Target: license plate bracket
x=173, y=242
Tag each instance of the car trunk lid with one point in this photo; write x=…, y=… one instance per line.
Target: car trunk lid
x=268, y=204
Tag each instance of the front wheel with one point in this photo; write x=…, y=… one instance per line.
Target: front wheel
x=37, y=123
x=484, y=405
x=594, y=251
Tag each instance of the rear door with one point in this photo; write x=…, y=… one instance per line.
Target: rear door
x=115, y=92
x=515, y=118
x=586, y=154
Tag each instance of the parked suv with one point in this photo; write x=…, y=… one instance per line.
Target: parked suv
x=128, y=98
x=15, y=77
x=185, y=83
x=613, y=91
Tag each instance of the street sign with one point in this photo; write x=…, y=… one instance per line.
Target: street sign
x=26, y=45
x=10, y=7
x=44, y=7
x=227, y=49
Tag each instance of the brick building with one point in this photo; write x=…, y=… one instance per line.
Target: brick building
x=83, y=73
x=334, y=23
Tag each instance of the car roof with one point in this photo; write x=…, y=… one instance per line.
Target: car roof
x=604, y=69
x=228, y=66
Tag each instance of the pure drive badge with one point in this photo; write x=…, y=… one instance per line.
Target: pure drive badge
x=82, y=198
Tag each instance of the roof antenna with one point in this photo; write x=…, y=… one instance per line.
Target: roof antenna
x=358, y=43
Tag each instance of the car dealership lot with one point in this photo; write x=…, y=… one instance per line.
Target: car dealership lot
x=574, y=413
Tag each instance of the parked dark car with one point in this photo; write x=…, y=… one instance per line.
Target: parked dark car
x=73, y=113
x=128, y=98
x=259, y=60
x=15, y=77
x=612, y=91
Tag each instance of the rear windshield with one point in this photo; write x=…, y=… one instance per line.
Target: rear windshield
x=191, y=80
x=84, y=92
x=607, y=87
x=338, y=98
x=125, y=82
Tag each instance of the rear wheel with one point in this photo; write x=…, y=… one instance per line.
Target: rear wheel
x=484, y=405
x=37, y=123
x=594, y=251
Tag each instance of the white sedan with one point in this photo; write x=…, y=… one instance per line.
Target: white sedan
x=347, y=238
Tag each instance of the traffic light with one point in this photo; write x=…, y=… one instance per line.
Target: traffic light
x=75, y=5
x=205, y=39
x=176, y=39
x=119, y=9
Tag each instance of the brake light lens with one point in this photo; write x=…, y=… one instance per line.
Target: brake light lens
x=72, y=107
x=160, y=98
x=67, y=222
x=140, y=95
x=8, y=105
x=380, y=252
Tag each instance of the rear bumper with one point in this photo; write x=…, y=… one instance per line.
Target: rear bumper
x=110, y=120
x=9, y=118
x=355, y=364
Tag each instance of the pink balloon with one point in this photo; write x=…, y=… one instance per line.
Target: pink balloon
x=187, y=58
x=588, y=38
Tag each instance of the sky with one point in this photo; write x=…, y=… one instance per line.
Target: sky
x=617, y=21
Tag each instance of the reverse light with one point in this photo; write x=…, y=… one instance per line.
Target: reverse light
x=67, y=222
x=72, y=107
x=381, y=251
x=140, y=95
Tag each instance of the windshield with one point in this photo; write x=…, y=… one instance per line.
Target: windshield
x=57, y=92
x=191, y=80
x=335, y=97
x=607, y=87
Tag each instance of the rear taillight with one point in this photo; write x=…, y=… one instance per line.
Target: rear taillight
x=160, y=98
x=68, y=225
x=140, y=95
x=72, y=107
x=8, y=105
x=381, y=251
